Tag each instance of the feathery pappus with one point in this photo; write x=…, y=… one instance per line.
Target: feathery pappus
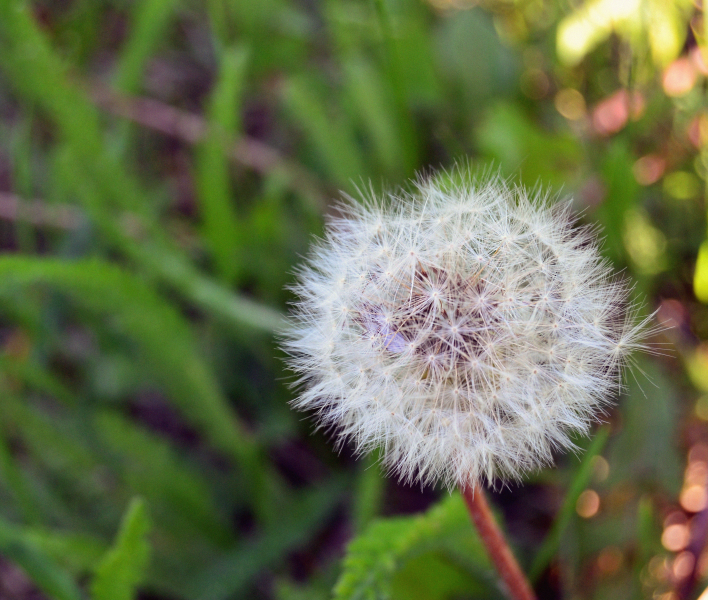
x=467, y=329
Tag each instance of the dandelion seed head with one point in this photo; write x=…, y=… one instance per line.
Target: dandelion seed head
x=469, y=331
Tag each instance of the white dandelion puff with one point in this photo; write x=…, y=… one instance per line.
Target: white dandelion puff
x=468, y=330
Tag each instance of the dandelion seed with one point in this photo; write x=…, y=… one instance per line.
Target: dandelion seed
x=470, y=331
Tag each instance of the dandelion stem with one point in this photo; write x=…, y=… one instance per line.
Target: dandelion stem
x=516, y=583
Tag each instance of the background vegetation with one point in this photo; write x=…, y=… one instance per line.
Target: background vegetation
x=163, y=165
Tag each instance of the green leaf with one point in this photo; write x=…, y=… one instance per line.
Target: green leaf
x=649, y=531
x=622, y=194
x=494, y=72
x=123, y=567
x=444, y=535
x=509, y=137
x=645, y=450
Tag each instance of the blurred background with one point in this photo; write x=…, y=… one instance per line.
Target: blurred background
x=164, y=165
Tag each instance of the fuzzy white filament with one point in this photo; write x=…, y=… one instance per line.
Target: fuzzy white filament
x=467, y=330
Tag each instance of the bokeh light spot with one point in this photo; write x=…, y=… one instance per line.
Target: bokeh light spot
x=612, y=113
x=675, y=537
x=696, y=472
x=534, y=83
x=571, y=104
x=698, y=453
x=600, y=468
x=588, y=504
x=645, y=243
x=702, y=568
x=682, y=185
x=683, y=564
x=701, y=408
x=700, y=288
x=610, y=560
x=649, y=169
x=679, y=77
x=698, y=131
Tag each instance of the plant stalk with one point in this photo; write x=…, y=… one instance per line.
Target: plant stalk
x=498, y=550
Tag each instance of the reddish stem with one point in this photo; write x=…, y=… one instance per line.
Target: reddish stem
x=516, y=583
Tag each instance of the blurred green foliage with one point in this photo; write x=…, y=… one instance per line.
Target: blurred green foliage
x=163, y=166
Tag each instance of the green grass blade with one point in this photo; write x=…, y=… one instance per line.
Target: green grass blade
x=37, y=378
x=181, y=498
x=78, y=552
x=150, y=21
x=60, y=466
x=395, y=62
x=220, y=223
x=580, y=482
x=370, y=487
x=231, y=576
x=44, y=573
x=164, y=338
x=14, y=478
x=100, y=181
x=237, y=311
x=331, y=137
x=376, y=113
x=41, y=76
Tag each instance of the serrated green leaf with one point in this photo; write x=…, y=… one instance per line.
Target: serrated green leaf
x=433, y=576
x=375, y=557
x=123, y=567
x=78, y=552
